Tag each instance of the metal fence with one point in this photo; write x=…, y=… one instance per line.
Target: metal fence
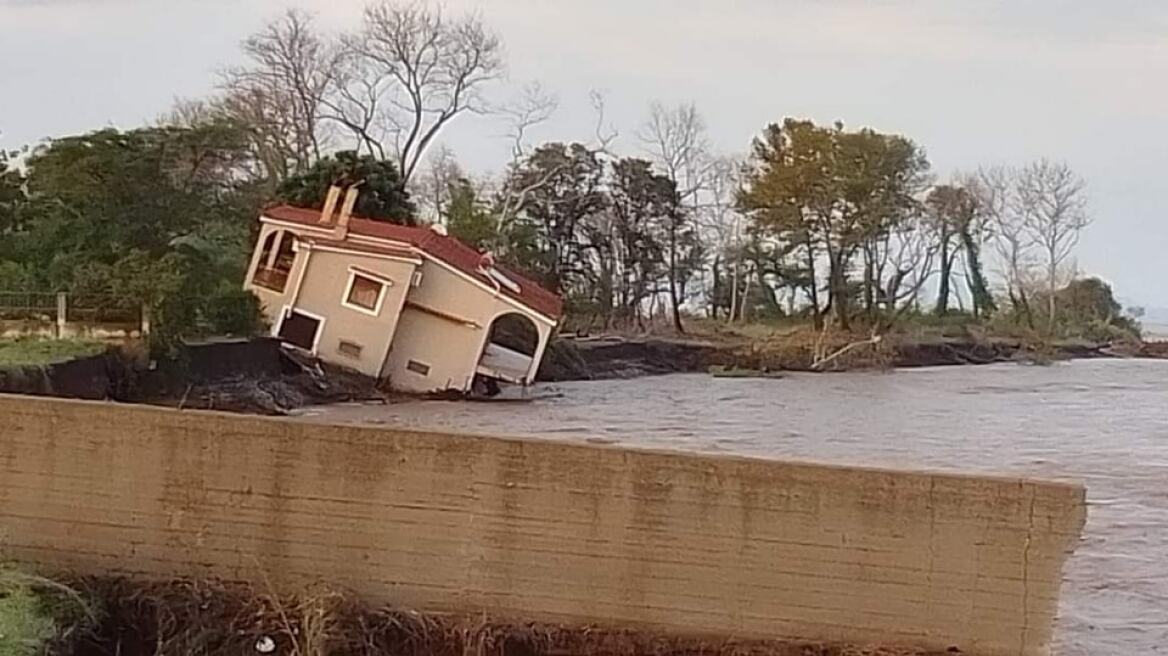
x=66, y=314
x=28, y=306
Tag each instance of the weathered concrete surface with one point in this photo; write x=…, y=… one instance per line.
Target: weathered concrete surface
x=538, y=529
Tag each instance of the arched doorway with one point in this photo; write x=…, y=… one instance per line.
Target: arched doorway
x=508, y=356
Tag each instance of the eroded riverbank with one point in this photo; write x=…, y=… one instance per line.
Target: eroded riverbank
x=615, y=357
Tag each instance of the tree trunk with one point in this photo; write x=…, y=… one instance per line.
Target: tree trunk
x=674, y=300
x=869, y=279
x=1052, y=282
x=742, y=302
x=813, y=287
x=839, y=290
x=676, y=306
x=1022, y=303
x=715, y=295
x=946, y=273
x=734, y=292
x=983, y=301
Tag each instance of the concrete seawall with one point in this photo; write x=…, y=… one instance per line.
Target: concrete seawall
x=539, y=530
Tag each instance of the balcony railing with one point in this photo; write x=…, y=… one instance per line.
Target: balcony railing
x=271, y=279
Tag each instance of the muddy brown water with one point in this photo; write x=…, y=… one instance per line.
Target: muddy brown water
x=1103, y=422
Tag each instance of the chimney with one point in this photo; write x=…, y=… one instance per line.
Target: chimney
x=342, y=229
x=330, y=205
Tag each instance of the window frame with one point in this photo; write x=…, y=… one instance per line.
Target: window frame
x=385, y=283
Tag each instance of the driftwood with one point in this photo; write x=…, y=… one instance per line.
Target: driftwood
x=821, y=360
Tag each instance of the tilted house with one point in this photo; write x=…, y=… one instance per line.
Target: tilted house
x=409, y=305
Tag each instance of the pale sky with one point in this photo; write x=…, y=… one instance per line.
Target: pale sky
x=975, y=82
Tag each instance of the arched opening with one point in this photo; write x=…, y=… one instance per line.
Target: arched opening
x=275, y=276
x=269, y=244
x=512, y=342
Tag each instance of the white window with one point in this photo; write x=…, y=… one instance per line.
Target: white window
x=365, y=291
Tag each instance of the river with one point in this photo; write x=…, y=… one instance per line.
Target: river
x=1104, y=422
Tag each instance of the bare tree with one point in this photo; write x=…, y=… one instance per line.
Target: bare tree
x=1054, y=212
x=413, y=70
x=534, y=105
x=996, y=191
x=676, y=140
x=721, y=223
x=431, y=186
x=905, y=263
x=278, y=97
x=604, y=133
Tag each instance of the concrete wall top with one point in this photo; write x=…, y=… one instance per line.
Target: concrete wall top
x=540, y=530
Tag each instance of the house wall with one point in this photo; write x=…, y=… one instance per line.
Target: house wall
x=539, y=529
x=322, y=294
x=450, y=348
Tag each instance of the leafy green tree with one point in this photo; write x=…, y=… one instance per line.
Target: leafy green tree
x=957, y=220
x=949, y=208
x=640, y=204
x=12, y=194
x=157, y=216
x=561, y=188
x=382, y=195
x=834, y=193
x=787, y=185
x=469, y=219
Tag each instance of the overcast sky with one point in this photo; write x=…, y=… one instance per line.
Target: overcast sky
x=973, y=81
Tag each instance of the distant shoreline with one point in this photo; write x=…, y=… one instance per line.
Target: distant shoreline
x=1155, y=331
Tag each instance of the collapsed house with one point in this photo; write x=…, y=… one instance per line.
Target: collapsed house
x=408, y=305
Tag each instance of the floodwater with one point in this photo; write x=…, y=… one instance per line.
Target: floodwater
x=1104, y=422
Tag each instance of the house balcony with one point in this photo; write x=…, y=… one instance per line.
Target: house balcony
x=274, y=280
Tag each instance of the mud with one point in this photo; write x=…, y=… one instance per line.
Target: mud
x=252, y=376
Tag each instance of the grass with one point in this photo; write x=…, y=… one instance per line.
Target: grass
x=29, y=351
x=25, y=626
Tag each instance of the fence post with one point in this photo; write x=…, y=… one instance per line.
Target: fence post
x=62, y=313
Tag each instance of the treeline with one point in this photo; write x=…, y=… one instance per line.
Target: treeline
x=823, y=223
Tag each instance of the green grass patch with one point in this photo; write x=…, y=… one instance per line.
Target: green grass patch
x=24, y=351
x=25, y=623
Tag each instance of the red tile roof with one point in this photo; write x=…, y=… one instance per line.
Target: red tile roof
x=441, y=247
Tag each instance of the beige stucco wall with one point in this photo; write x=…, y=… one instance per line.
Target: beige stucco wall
x=539, y=530
x=450, y=348
x=322, y=294
x=316, y=285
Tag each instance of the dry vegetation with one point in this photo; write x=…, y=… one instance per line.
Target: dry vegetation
x=104, y=617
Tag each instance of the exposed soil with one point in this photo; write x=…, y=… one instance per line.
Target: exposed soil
x=258, y=376
x=127, y=618
x=252, y=376
x=1153, y=350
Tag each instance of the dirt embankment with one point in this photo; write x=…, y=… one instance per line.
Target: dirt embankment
x=628, y=357
x=1153, y=350
x=126, y=618
x=253, y=376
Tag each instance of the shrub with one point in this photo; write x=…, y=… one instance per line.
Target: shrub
x=233, y=311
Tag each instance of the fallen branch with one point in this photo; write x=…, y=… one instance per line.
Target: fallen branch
x=820, y=362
